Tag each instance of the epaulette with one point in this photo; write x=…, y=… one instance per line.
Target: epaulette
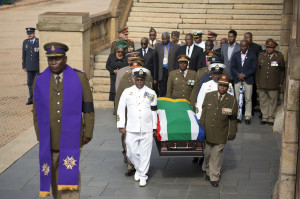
x=78, y=70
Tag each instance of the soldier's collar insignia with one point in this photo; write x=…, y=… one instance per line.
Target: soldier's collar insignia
x=69, y=162
x=52, y=48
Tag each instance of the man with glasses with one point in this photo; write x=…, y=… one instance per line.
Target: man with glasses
x=150, y=58
x=152, y=38
x=141, y=123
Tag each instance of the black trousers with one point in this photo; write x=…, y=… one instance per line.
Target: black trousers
x=30, y=79
x=163, y=83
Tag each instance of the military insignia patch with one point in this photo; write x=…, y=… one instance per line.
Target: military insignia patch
x=52, y=48
x=69, y=162
x=45, y=169
x=118, y=118
x=226, y=111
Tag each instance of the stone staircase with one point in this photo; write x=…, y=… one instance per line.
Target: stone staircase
x=261, y=17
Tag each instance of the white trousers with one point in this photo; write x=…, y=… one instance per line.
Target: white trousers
x=139, y=147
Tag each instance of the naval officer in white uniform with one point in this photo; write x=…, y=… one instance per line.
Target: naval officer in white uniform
x=216, y=69
x=141, y=103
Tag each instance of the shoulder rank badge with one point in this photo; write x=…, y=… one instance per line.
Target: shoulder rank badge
x=226, y=111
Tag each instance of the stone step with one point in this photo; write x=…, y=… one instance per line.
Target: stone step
x=100, y=80
x=153, y=19
x=103, y=104
x=154, y=15
x=101, y=73
x=100, y=65
x=100, y=96
x=165, y=25
x=101, y=58
x=102, y=88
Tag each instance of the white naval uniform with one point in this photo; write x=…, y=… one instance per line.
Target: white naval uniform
x=208, y=87
x=141, y=121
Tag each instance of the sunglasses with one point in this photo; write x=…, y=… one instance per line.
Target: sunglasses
x=139, y=80
x=120, y=52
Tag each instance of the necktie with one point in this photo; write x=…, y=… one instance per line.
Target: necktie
x=220, y=98
x=57, y=81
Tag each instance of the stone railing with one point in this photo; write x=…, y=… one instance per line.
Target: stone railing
x=84, y=34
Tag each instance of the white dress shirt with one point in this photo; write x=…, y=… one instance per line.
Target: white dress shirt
x=140, y=117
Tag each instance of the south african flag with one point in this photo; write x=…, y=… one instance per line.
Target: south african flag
x=177, y=121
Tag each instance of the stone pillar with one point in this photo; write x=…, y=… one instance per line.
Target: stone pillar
x=70, y=28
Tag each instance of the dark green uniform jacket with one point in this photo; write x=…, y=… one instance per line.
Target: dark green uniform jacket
x=55, y=106
x=216, y=121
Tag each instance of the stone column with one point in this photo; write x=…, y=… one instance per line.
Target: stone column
x=70, y=28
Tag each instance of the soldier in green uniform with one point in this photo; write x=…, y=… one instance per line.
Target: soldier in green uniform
x=219, y=116
x=126, y=82
x=183, y=83
x=269, y=78
x=57, y=87
x=123, y=35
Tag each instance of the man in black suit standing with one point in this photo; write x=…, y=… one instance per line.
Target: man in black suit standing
x=195, y=53
x=167, y=61
x=243, y=68
x=150, y=58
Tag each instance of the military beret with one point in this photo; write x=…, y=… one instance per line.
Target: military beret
x=183, y=58
x=211, y=34
x=175, y=33
x=121, y=44
x=224, y=80
x=197, y=33
x=55, y=49
x=140, y=72
x=30, y=30
x=216, y=68
x=271, y=43
x=123, y=30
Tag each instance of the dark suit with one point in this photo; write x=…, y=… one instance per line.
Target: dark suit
x=224, y=54
x=30, y=62
x=150, y=61
x=163, y=73
x=197, y=59
x=249, y=67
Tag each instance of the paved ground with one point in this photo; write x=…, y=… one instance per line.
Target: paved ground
x=250, y=169
x=15, y=117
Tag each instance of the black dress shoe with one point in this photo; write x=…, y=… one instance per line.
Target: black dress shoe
x=214, y=183
x=130, y=172
x=29, y=103
x=271, y=123
x=207, y=178
x=195, y=160
x=248, y=122
x=263, y=122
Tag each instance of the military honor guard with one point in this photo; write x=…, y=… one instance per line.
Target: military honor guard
x=216, y=70
x=213, y=36
x=63, y=113
x=141, y=124
x=123, y=35
x=152, y=38
x=219, y=121
x=183, y=83
x=269, y=78
x=30, y=59
x=198, y=39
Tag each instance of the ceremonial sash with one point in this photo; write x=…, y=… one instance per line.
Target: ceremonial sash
x=70, y=130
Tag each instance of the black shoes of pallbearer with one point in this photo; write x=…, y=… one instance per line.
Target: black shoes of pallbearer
x=130, y=172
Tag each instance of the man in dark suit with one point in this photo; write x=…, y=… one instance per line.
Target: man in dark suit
x=195, y=53
x=30, y=59
x=229, y=49
x=243, y=68
x=167, y=61
x=150, y=58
